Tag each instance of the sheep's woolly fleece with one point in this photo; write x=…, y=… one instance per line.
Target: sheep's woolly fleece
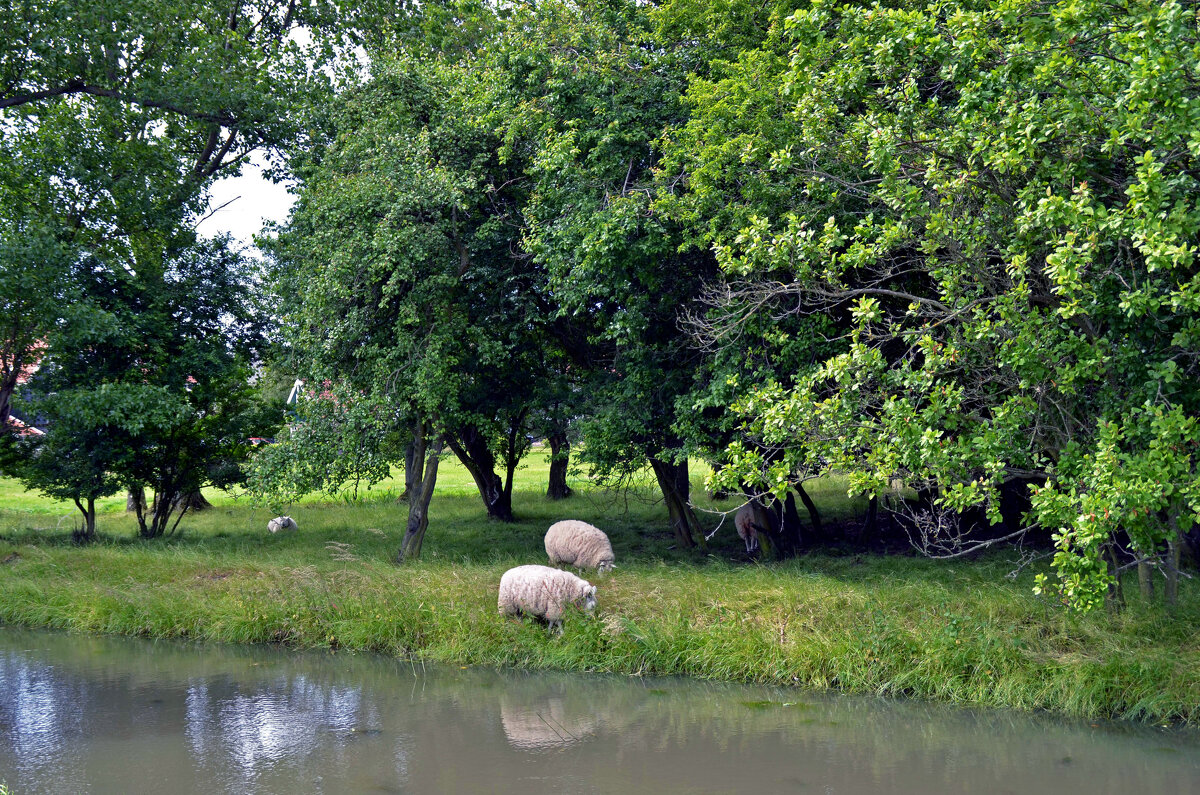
x=281, y=523
x=543, y=592
x=579, y=544
x=743, y=520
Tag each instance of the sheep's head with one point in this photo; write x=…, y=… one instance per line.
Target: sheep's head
x=588, y=602
x=281, y=523
x=605, y=565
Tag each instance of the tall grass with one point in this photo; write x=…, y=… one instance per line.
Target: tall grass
x=959, y=632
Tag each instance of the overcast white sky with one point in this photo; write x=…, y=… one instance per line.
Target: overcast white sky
x=253, y=200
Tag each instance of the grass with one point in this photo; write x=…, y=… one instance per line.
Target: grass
x=958, y=632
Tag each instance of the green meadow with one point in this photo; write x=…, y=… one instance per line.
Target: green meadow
x=960, y=631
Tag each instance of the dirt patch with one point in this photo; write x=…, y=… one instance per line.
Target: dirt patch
x=214, y=575
x=11, y=557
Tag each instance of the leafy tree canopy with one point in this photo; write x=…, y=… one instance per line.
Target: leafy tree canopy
x=1003, y=198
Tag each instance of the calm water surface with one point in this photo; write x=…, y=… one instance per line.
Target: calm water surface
x=105, y=715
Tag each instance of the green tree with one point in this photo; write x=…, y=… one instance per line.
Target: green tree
x=91, y=437
x=406, y=229
x=1002, y=199
x=586, y=94
x=714, y=181
x=335, y=437
x=117, y=115
x=148, y=383
x=33, y=265
x=219, y=76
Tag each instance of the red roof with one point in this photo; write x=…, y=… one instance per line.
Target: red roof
x=21, y=429
x=28, y=370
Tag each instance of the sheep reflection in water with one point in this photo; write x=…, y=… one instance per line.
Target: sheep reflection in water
x=545, y=724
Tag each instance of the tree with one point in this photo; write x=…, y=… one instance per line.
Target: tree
x=558, y=402
x=30, y=295
x=613, y=265
x=406, y=229
x=147, y=383
x=337, y=436
x=76, y=458
x=176, y=93
x=200, y=67
x=1003, y=203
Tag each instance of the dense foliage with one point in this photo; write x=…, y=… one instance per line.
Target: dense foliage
x=1003, y=197
x=116, y=117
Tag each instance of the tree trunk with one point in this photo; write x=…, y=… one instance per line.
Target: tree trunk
x=768, y=523
x=88, y=532
x=1115, y=598
x=676, y=490
x=813, y=515
x=419, y=495
x=768, y=539
x=160, y=513
x=1174, y=547
x=1171, y=589
x=870, y=525
x=8, y=386
x=411, y=473
x=560, y=459
x=193, y=501
x=774, y=525
x=135, y=499
x=1145, y=570
x=471, y=448
x=790, y=523
x=139, y=508
x=516, y=447
x=166, y=498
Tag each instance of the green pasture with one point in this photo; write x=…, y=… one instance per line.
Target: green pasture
x=962, y=631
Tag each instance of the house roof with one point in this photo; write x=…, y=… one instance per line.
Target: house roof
x=21, y=429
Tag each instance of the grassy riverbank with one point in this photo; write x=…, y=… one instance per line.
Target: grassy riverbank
x=959, y=632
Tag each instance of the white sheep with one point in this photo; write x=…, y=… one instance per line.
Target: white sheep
x=544, y=592
x=579, y=544
x=282, y=523
x=743, y=520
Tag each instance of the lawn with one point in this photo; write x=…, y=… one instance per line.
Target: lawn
x=961, y=631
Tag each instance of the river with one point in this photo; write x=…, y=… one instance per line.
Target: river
x=111, y=715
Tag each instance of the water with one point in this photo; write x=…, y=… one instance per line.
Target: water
x=105, y=715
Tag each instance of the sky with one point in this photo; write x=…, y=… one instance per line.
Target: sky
x=256, y=200
x=249, y=201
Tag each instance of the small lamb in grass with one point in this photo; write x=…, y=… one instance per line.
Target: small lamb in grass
x=282, y=523
x=579, y=544
x=743, y=520
x=544, y=592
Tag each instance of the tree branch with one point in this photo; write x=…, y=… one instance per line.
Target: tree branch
x=79, y=87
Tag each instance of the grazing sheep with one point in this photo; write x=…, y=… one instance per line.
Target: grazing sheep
x=743, y=520
x=544, y=592
x=282, y=523
x=579, y=544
